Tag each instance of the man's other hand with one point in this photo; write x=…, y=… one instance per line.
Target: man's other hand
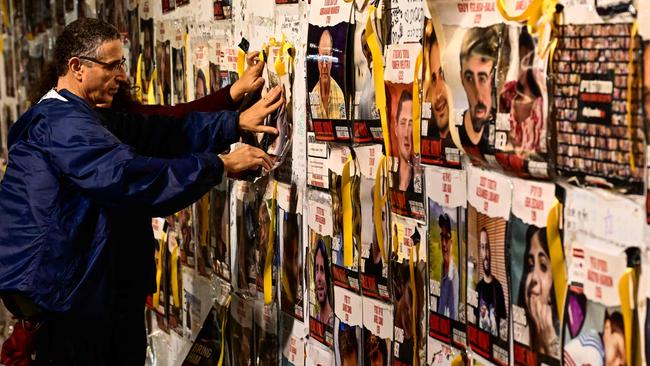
x=246, y=157
x=251, y=80
x=252, y=119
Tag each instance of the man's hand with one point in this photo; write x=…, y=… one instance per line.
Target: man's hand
x=251, y=80
x=252, y=118
x=246, y=157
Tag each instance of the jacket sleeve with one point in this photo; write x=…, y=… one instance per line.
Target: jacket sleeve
x=217, y=101
x=114, y=175
x=169, y=136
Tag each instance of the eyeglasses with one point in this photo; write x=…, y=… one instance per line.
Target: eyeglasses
x=115, y=66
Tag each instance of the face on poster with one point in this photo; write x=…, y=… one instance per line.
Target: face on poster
x=326, y=71
x=241, y=332
x=178, y=55
x=409, y=307
x=347, y=344
x=488, y=293
x=535, y=318
x=219, y=230
x=437, y=146
x=184, y=230
x=133, y=23
x=146, y=29
x=163, y=64
x=292, y=263
x=444, y=254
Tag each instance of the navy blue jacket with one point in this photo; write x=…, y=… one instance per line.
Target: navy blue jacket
x=69, y=179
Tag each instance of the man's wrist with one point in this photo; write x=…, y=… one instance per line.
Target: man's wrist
x=235, y=94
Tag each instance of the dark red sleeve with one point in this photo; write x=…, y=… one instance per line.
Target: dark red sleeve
x=218, y=101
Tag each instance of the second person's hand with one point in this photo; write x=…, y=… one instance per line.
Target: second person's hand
x=252, y=119
x=246, y=157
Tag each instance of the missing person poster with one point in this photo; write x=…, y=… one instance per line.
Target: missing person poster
x=366, y=126
x=321, y=288
x=447, y=199
x=179, y=63
x=263, y=231
x=472, y=40
x=405, y=179
x=293, y=332
x=535, y=315
x=317, y=154
x=599, y=245
x=164, y=62
x=241, y=331
x=200, y=66
x=344, y=276
x=267, y=340
x=437, y=145
x=599, y=127
x=646, y=104
x=292, y=251
x=328, y=85
x=201, y=213
x=318, y=355
x=374, y=259
x=521, y=137
x=488, y=294
x=347, y=337
x=408, y=281
x=246, y=233
x=133, y=35
x=377, y=332
x=219, y=221
x=147, y=51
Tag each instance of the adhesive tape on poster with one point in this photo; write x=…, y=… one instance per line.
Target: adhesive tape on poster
x=346, y=198
x=557, y=256
x=268, y=263
x=378, y=77
x=379, y=201
x=626, y=286
x=417, y=123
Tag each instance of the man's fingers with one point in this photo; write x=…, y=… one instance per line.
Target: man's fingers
x=276, y=105
x=251, y=56
x=273, y=95
x=267, y=129
x=258, y=83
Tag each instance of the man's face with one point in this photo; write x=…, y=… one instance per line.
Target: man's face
x=445, y=243
x=438, y=91
x=263, y=228
x=485, y=252
x=476, y=72
x=378, y=360
x=320, y=279
x=404, y=130
x=614, y=346
x=100, y=83
x=324, y=59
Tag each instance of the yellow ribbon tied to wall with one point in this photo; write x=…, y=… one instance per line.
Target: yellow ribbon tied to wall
x=175, y=290
x=417, y=122
x=556, y=251
x=346, y=198
x=223, y=330
x=286, y=54
x=378, y=76
x=138, y=79
x=379, y=202
x=241, y=61
x=268, y=263
x=627, y=289
x=151, y=92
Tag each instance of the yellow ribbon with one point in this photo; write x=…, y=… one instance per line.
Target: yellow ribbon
x=416, y=357
x=537, y=14
x=378, y=77
x=346, y=198
x=417, y=122
x=241, y=61
x=186, y=53
x=5, y=13
x=627, y=286
x=204, y=220
x=268, y=263
x=223, y=330
x=151, y=93
x=286, y=51
x=557, y=256
x=162, y=246
x=630, y=82
x=379, y=203
x=458, y=360
x=138, y=80
x=175, y=291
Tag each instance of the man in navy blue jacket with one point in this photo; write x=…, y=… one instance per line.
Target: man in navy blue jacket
x=69, y=179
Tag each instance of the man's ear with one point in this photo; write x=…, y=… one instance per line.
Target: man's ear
x=74, y=67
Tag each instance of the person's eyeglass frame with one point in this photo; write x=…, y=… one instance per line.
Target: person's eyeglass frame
x=113, y=66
